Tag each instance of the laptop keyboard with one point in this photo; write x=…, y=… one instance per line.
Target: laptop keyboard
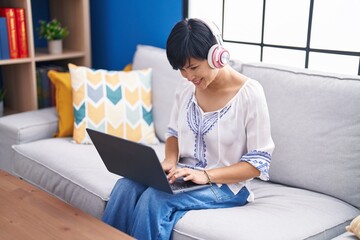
x=180, y=184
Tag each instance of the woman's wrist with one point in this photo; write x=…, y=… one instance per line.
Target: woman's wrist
x=208, y=177
x=169, y=160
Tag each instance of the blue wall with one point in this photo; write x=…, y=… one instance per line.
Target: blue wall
x=39, y=13
x=117, y=26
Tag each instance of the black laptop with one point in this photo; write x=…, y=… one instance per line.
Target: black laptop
x=136, y=161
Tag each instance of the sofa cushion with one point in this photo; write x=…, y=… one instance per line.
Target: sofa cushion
x=73, y=172
x=22, y=128
x=115, y=102
x=279, y=212
x=83, y=181
x=63, y=100
x=315, y=126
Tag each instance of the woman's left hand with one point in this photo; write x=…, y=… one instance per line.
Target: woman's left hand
x=197, y=176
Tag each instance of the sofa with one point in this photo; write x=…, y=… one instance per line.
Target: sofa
x=314, y=187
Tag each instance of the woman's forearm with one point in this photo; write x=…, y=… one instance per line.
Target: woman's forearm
x=238, y=172
x=171, y=149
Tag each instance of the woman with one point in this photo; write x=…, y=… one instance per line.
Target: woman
x=219, y=128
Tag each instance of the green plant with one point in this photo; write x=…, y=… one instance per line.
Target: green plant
x=52, y=30
x=2, y=94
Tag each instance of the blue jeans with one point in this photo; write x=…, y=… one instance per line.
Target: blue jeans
x=146, y=213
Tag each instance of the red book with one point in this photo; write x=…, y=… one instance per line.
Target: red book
x=21, y=32
x=9, y=14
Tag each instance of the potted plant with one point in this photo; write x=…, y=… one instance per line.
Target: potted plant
x=2, y=97
x=54, y=32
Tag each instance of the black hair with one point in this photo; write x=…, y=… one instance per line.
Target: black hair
x=189, y=38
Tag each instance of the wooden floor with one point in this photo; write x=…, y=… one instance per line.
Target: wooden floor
x=27, y=212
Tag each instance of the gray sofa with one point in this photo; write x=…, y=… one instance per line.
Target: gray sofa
x=314, y=187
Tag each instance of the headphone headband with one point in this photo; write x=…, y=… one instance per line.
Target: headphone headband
x=214, y=30
x=218, y=56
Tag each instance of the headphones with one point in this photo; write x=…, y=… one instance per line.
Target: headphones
x=218, y=56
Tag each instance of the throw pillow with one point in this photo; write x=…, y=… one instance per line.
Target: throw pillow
x=114, y=102
x=63, y=100
x=128, y=68
x=354, y=227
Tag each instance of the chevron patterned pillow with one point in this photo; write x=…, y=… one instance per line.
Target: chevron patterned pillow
x=114, y=102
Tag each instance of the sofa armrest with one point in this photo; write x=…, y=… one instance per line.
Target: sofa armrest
x=25, y=127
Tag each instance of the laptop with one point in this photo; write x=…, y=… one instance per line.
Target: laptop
x=137, y=162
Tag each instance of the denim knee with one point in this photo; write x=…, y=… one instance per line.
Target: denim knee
x=154, y=198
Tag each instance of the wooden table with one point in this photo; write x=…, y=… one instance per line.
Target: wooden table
x=27, y=212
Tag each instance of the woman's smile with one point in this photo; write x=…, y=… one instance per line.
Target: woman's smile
x=197, y=81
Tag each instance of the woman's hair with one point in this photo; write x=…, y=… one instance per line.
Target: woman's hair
x=189, y=38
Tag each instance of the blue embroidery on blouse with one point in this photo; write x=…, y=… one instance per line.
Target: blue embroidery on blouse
x=172, y=132
x=200, y=127
x=260, y=160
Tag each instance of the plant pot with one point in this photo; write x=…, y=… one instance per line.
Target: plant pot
x=1, y=108
x=55, y=46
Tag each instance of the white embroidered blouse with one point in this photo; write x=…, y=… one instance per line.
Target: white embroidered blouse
x=240, y=131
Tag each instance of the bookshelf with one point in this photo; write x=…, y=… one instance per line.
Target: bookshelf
x=19, y=75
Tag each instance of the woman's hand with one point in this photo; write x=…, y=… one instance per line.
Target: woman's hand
x=168, y=166
x=197, y=176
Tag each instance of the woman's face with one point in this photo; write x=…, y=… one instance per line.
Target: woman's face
x=199, y=73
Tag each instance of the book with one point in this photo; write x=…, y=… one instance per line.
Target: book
x=39, y=90
x=9, y=14
x=45, y=89
x=4, y=42
x=1, y=80
x=21, y=32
